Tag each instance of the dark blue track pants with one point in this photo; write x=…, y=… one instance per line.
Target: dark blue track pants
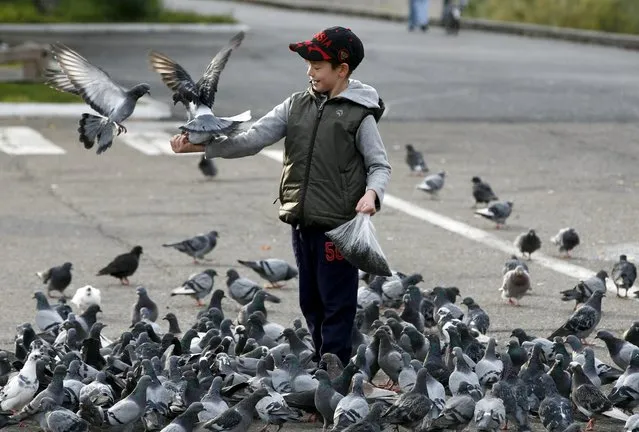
x=328, y=292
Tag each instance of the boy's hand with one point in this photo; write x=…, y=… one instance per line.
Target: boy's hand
x=180, y=144
x=366, y=204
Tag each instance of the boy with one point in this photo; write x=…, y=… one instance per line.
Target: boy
x=335, y=165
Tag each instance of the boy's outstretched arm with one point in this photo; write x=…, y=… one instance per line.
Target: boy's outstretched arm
x=266, y=131
x=378, y=170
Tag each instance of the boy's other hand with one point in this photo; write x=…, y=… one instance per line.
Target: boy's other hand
x=180, y=144
x=366, y=203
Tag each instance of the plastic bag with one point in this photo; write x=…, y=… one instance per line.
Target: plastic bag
x=356, y=241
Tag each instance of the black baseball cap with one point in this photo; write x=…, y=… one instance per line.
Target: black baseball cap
x=334, y=43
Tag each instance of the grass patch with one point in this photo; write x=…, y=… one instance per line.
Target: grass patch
x=615, y=16
x=34, y=92
x=102, y=11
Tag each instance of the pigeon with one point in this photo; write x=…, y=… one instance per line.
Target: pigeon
x=457, y=412
x=113, y=103
x=476, y=317
x=21, y=388
x=185, y=421
x=620, y=351
x=352, y=407
x=555, y=411
x=584, y=289
x=326, y=398
x=584, y=320
x=123, y=265
x=482, y=192
x=567, y=239
x=589, y=400
x=512, y=263
x=54, y=418
x=143, y=301
x=273, y=409
x=198, y=286
x=196, y=247
x=515, y=284
x=242, y=289
x=632, y=424
x=272, y=269
x=498, y=212
x=624, y=274
x=198, y=98
x=632, y=334
x=370, y=423
x=410, y=408
x=489, y=368
x=432, y=184
x=625, y=393
x=46, y=318
x=207, y=167
x=528, y=242
x=57, y=278
x=86, y=296
x=490, y=412
x=415, y=160
x=239, y=417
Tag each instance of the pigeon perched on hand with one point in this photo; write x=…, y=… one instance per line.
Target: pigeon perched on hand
x=198, y=98
x=123, y=265
x=515, y=285
x=196, y=247
x=624, y=274
x=433, y=184
x=567, y=239
x=197, y=286
x=528, y=242
x=272, y=269
x=482, y=192
x=58, y=278
x=415, y=160
x=113, y=103
x=498, y=212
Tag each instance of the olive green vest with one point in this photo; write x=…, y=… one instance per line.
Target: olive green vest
x=324, y=175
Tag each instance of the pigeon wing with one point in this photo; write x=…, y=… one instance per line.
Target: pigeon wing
x=228, y=420
x=207, y=85
x=94, y=85
x=174, y=76
x=60, y=81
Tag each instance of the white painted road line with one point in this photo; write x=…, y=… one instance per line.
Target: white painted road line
x=152, y=143
x=475, y=234
x=22, y=140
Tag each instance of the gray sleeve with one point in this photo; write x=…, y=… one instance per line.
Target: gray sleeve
x=266, y=131
x=378, y=169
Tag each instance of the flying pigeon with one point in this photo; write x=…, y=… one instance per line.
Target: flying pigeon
x=498, y=212
x=624, y=274
x=123, y=265
x=415, y=160
x=198, y=98
x=432, y=184
x=113, y=103
x=272, y=269
x=528, y=242
x=198, y=286
x=207, y=167
x=196, y=247
x=58, y=278
x=567, y=239
x=482, y=192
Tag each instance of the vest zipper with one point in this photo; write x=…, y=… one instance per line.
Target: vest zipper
x=307, y=171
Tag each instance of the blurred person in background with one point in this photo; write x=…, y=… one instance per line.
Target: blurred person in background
x=418, y=14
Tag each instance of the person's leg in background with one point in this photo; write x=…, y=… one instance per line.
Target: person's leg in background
x=310, y=299
x=412, y=12
x=422, y=14
x=338, y=282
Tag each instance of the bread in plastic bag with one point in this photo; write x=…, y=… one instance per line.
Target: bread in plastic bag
x=356, y=241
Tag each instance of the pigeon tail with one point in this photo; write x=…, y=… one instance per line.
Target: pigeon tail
x=270, y=297
x=94, y=127
x=183, y=290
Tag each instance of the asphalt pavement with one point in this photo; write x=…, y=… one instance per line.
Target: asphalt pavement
x=551, y=125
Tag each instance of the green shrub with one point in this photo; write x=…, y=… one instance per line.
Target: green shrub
x=88, y=11
x=620, y=16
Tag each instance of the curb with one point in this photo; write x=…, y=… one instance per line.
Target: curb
x=9, y=29
x=149, y=110
x=619, y=40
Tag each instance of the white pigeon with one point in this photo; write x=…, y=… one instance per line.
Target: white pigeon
x=21, y=388
x=86, y=296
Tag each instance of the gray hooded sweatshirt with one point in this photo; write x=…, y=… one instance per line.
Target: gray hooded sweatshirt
x=272, y=127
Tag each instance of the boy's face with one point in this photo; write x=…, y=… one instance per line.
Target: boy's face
x=323, y=77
